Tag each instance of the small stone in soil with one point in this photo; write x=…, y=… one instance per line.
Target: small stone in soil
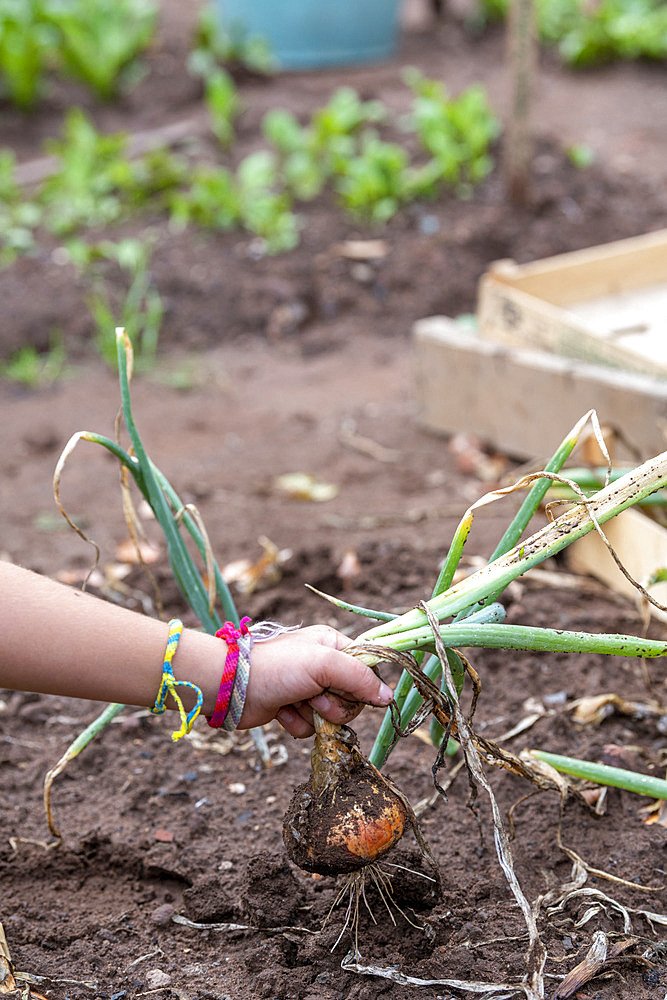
x=162, y=915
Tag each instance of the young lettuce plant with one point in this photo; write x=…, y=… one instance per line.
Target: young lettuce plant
x=27, y=44
x=597, y=33
x=214, y=47
x=223, y=103
x=220, y=199
x=374, y=184
x=85, y=190
x=99, y=41
x=456, y=132
x=310, y=155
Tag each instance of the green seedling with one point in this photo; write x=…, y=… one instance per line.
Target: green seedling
x=97, y=183
x=265, y=211
x=30, y=368
x=18, y=218
x=589, y=34
x=99, y=42
x=222, y=101
x=374, y=184
x=220, y=199
x=27, y=44
x=457, y=133
x=309, y=156
x=215, y=46
x=140, y=309
x=85, y=190
x=211, y=199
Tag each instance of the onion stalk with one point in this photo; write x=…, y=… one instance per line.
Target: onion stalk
x=458, y=602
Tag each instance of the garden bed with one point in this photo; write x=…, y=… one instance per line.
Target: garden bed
x=301, y=362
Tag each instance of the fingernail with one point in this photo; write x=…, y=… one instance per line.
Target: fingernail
x=322, y=703
x=385, y=693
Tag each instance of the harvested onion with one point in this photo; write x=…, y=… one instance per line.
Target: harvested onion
x=347, y=815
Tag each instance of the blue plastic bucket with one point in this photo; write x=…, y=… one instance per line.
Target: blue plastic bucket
x=309, y=34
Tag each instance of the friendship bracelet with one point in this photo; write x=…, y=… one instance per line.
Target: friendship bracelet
x=234, y=683
x=168, y=685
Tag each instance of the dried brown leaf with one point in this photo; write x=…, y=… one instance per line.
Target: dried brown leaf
x=595, y=709
x=249, y=577
x=655, y=813
x=597, y=957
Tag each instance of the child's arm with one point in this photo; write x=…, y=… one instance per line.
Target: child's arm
x=56, y=640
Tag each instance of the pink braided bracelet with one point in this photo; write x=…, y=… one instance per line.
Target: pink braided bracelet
x=234, y=682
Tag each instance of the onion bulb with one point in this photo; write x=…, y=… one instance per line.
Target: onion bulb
x=347, y=815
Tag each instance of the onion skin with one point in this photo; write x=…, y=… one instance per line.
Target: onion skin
x=345, y=817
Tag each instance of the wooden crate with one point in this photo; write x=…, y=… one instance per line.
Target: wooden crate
x=523, y=402
x=606, y=305
x=639, y=543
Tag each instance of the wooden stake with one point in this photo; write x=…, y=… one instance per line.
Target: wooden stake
x=521, y=61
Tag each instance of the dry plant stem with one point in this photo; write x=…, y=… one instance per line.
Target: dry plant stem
x=82, y=740
x=536, y=954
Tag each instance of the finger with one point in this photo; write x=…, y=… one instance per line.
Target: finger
x=294, y=723
x=343, y=672
x=334, y=709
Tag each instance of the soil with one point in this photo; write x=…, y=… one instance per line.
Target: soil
x=301, y=363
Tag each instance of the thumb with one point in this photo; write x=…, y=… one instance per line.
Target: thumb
x=347, y=676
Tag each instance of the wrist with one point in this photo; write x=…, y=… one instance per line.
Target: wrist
x=201, y=659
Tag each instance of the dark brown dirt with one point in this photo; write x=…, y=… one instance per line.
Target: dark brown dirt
x=152, y=830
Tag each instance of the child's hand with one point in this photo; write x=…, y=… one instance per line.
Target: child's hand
x=305, y=670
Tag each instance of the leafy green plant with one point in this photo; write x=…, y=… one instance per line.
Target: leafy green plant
x=372, y=176
x=302, y=170
x=375, y=183
x=84, y=191
x=30, y=368
x=222, y=101
x=211, y=199
x=615, y=29
x=18, y=217
x=310, y=155
x=220, y=199
x=587, y=34
x=141, y=310
x=94, y=41
x=97, y=183
x=456, y=132
x=26, y=50
x=265, y=211
x=215, y=46
x=99, y=41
